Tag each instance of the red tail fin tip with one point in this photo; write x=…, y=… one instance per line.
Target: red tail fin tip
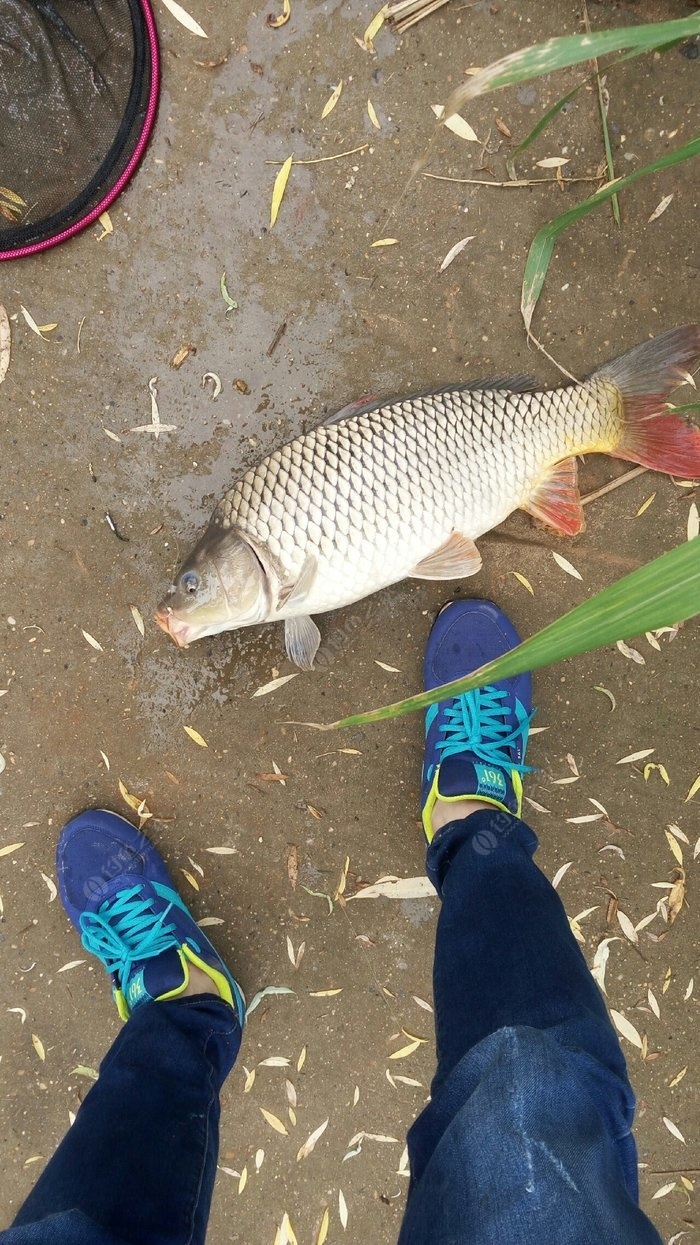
x=645, y=377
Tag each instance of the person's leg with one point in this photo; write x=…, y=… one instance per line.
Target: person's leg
x=139, y=1163
x=529, y=1125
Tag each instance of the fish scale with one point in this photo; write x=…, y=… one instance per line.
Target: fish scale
x=383, y=489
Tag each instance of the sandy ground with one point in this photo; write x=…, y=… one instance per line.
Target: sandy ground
x=358, y=320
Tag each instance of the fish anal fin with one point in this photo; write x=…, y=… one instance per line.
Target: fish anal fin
x=557, y=501
x=455, y=559
x=301, y=640
x=294, y=594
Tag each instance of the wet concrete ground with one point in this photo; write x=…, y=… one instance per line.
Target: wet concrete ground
x=358, y=320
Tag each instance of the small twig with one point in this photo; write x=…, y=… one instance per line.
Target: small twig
x=532, y=181
x=551, y=358
x=681, y=1171
x=322, y=159
x=276, y=339
x=608, y=488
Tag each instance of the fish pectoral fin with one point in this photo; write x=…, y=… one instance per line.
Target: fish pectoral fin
x=294, y=594
x=457, y=558
x=301, y=640
x=368, y=402
x=557, y=501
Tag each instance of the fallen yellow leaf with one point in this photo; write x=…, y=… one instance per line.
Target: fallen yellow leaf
x=195, y=735
x=332, y=100
x=279, y=188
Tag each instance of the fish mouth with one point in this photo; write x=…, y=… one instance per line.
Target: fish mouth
x=172, y=626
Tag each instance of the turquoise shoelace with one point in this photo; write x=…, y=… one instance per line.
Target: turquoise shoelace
x=477, y=722
x=125, y=930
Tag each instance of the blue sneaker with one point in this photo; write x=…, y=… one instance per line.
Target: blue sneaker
x=475, y=743
x=118, y=893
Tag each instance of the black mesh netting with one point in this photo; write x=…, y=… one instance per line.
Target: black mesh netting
x=78, y=84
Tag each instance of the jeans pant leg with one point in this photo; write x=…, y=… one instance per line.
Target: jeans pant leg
x=139, y=1163
x=529, y=1126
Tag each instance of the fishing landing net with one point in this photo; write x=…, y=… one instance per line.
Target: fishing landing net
x=78, y=98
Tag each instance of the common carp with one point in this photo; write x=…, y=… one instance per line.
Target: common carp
x=405, y=488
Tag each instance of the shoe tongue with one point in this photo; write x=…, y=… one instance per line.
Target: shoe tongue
x=149, y=979
x=459, y=776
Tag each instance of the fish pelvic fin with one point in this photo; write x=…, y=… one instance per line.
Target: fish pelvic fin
x=557, y=501
x=301, y=640
x=457, y=558
x=644, y=377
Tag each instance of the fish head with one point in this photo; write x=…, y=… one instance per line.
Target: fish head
x=221, y=585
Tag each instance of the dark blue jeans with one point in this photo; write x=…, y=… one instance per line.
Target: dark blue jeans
x=527, y=1134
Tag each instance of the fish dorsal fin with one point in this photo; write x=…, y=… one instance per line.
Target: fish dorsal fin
x=301, y=640
x=369, y=402
x=557, y=501
x=456, y=559
x=296, y=593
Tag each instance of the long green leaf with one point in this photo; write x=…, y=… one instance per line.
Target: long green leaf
x=542, y=245
x=543, y=58
x=664, y=592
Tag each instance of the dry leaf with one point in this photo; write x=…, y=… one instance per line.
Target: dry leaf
x=305, y=1150
x=273, y=686
x=386, y=242
x=325, y=994
x=5, y=343
x=676, y=897
x=665, y=1188
x=454, y=252
x=323, y=1230
x=608, y=693
x=600, y=961
x=688, y=990
x=693, y=521
x=693, y=791
x=11, y=847
x=660, y=208
x=582, y=821
x=645, y=505
x=107, y=227
x=539, y=808
x=653, y=1003
x=274, y=1122
x=191, y=879
x=275, y=22
x=674, y=846
x=398, y=888
x=183, y=17
x=631, y=653
x=504, y=129
x=560, y=873
x=627, y=927
x=302, y=1059
x=551, y=162
x=342, y=1209
x=39, y=330
x=92, y=641
x=565, y=565
x=389, y=669
x=427, y=1007
x=676, y=1080
x=195, y=736
x=372, y=115
x=673, y=1129
x=456, y=124
x=525, y=582
x=71, y=964
x=374, y=27
x=105, y=760
x=136, y=615
x=52, y=887
x=38, y=1047
x=405, y=1051
x=661, y=769
x=222, y=851
x=332, y=100
x=626, y=1028
x=636, y=756
x=277, y=195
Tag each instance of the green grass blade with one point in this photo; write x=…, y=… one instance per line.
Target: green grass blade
x=542, y=245
x=543, y=58
x=614, y=201
x=539, y=128
x=663, y=592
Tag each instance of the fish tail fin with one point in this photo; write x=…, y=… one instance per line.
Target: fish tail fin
x=644, y=377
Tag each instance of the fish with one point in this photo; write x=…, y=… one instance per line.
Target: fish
x=385, y=491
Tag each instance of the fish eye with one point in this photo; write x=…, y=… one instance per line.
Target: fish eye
x=189, y=581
